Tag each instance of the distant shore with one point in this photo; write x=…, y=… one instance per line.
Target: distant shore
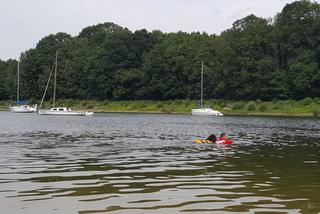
x=307, y=107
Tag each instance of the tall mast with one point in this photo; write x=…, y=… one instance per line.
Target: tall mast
x=45, y=91
x=201, y=85
x=55, y=79
x=18, y=80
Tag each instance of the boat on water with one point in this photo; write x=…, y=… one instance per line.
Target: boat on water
x=21, y=107
x=64, y=111
x=204, y=111
x=58, y=111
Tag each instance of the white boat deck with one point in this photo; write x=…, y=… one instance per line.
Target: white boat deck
x=64, y=111
x=23, y=109
x=206, y=111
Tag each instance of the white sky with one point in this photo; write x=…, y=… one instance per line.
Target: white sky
x=24, y=22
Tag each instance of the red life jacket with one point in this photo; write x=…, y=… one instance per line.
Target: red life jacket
x=224, y=141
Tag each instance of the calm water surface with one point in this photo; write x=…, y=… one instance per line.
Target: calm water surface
x=146, y=163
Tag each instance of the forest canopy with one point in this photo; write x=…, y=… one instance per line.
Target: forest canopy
x=256, y=58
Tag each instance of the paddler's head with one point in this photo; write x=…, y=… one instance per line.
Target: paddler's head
x=223, y=135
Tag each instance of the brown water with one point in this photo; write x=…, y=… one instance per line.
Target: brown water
x=146, y=163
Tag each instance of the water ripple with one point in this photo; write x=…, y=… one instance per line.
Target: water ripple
x=136, y=163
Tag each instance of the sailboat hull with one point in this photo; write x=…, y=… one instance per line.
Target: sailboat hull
x=206, y=112
x=61, y=113
x=22, y=109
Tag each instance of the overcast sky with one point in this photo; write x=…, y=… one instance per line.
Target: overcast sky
x=24, y=22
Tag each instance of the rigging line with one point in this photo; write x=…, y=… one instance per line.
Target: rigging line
x=45, y=91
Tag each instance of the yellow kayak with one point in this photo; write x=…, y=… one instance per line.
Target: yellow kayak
x=201, y=141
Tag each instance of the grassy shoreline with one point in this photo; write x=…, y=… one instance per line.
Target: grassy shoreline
x=307, y=107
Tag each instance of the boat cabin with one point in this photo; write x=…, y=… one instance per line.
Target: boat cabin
x=60, y=109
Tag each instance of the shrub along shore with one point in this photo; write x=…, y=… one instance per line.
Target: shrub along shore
x=306, y=107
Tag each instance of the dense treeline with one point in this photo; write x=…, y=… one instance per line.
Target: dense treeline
x=257, y=58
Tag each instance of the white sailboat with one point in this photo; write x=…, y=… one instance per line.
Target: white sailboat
x=58, y=111
x=20, y=107
x=204, y=110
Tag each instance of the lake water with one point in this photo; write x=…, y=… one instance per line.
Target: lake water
x=146, y=163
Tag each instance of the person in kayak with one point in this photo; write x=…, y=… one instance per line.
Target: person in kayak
x=223, y=136
x=212, y=138
x=223, y=139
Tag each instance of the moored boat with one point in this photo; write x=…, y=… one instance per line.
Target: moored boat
x=58, y=111
x=204, y=111
x=21, y=107
x=62, y=111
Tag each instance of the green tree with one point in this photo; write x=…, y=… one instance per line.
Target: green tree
x=172, y=68
x=247, y=65
x=36, y=64
x=298, y=27
x=256, y=58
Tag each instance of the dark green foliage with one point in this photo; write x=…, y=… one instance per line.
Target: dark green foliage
x=98, y=33
x=255, y=59
x=263, y=107
x=298, y=29
x=171, y=70
x=8, y=80
x=251, y=106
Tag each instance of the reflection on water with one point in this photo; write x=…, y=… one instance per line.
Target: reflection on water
x=146, y=163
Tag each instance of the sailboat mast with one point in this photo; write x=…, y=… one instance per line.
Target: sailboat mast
x=55, y=79
x=201, y=85
x=45, y=91
x=18, y=81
